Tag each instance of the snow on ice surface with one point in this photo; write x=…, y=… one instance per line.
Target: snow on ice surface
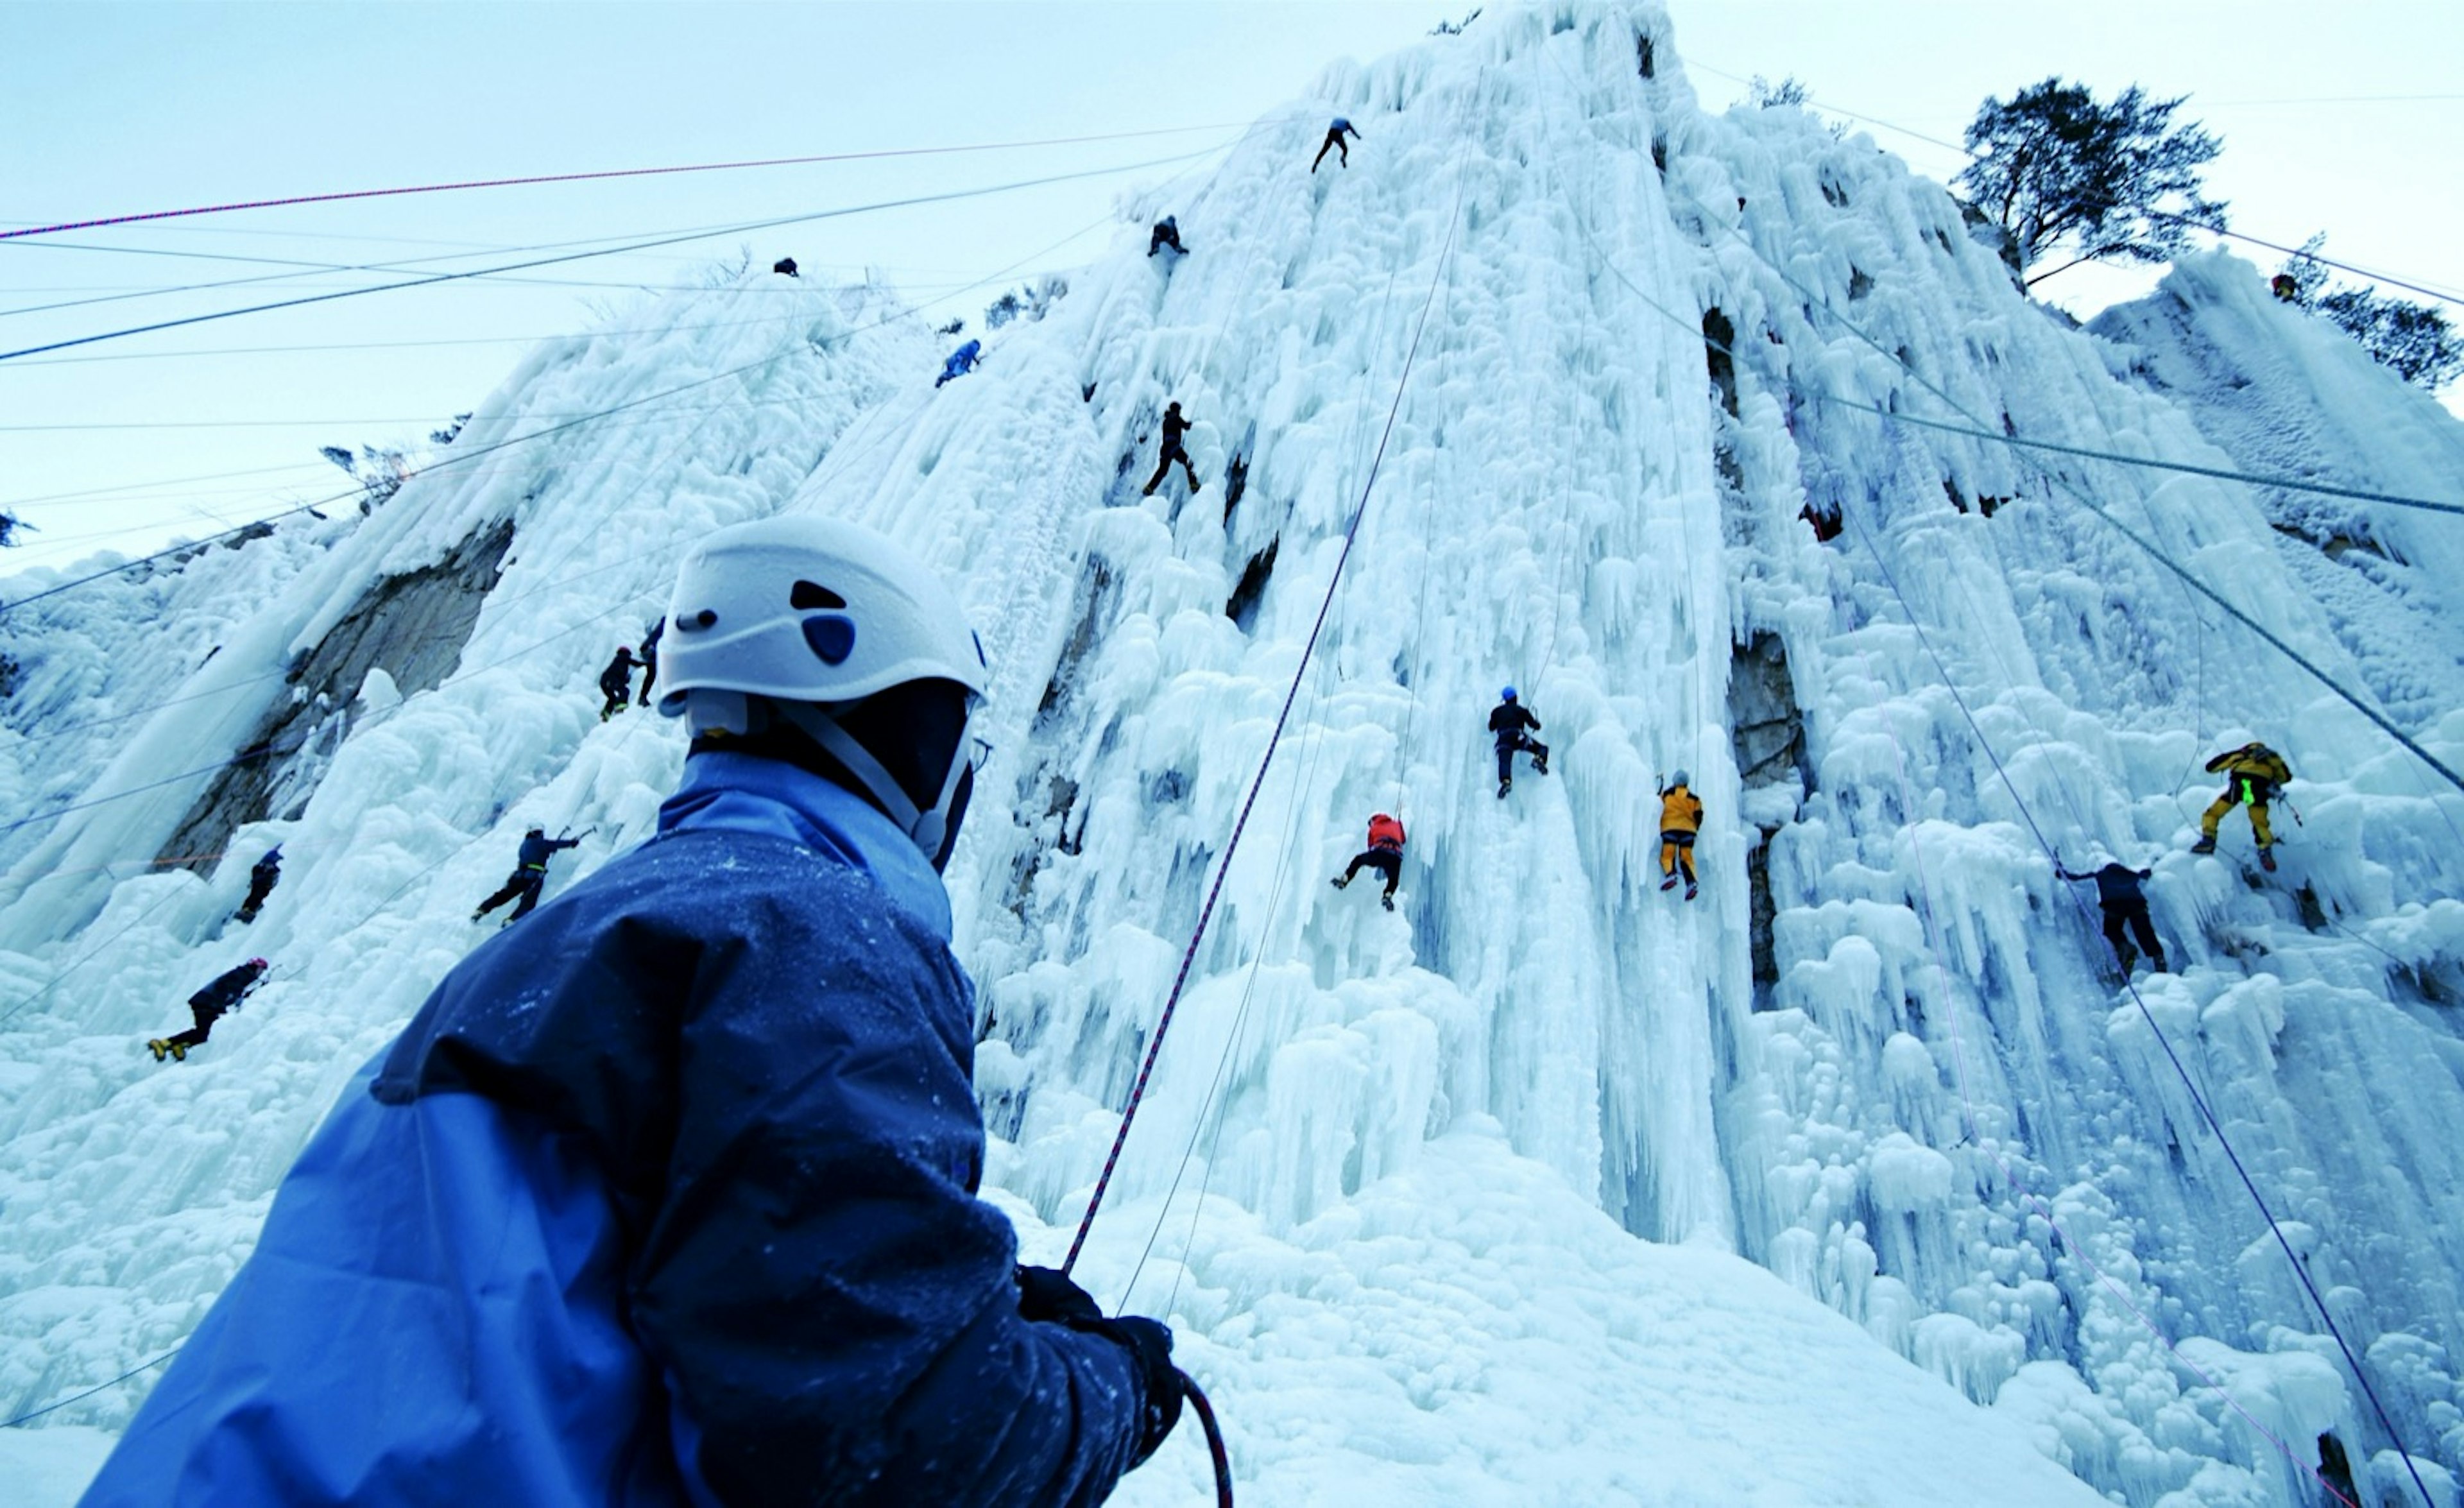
x=1485, y=1182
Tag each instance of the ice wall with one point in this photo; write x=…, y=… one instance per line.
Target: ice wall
x=1532, y=1188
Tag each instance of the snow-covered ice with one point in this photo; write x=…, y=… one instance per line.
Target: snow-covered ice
x=1857, y=1180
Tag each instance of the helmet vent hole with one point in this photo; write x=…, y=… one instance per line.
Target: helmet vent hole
x=831, y=638
x=806, y=595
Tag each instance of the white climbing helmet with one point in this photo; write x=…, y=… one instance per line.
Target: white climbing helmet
x=811, y=609
x=813, y=615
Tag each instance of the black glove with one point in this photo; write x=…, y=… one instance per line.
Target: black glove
x=1150, y=1343
x=1046, y=1294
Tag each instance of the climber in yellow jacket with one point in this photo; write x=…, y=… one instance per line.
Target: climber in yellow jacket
x=2254, y=773
x=1680, y=818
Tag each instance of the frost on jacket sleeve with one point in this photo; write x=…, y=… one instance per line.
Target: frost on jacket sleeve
x=831, y=1304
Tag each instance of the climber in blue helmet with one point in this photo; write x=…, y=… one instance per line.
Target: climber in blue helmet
x=1512, y=724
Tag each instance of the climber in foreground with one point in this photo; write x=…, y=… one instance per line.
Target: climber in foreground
x=2254, y=774
x=1174, y=428
x=671, y=1197
x=616, y=683
x=209, y=1005
x=529, y=876
x=961, y=362
x=1167, y=232
x=1334, y=135
x=1681, y=818
x=1512, y=724
x=1384, y=854
x=261, y=878
x=2125, y=912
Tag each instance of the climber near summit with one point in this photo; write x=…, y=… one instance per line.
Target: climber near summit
x=1167, y=232
x=785, y=267
x=207, y=1006
x=1174, y=428
x=261, y=878
x=1681, y=818
x=961, y=362
x=649, y=655
x=673, y=1198
x=529, y=876
x=1334, y=135
x=616, y=683
x=2125, y=912
x=1384, y=854
x=2254, y=774
x=2286, y=287
x=1512, y=724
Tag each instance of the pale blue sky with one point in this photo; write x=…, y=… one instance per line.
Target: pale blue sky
x=107, y=108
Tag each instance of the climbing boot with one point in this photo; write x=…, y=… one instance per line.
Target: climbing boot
x=2159, y=965
x=1691, y=888
x=1540, y=764
x=1388, y=902
x=1669, y=882
x=179, y=1051
x=1340, y=880
x=159, y=1048
x=1505, y=786
x=2266, y=860
x=2204, y=846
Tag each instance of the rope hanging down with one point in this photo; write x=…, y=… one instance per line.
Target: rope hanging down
x=1224, y=867
x=2207, y=1114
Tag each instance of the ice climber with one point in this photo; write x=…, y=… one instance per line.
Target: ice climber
x=1826, y=521
x=961, y=362
x=1167, y=232
x=1174, y=428
x=785, y=267
x=670, y=1198
x=649, y=655
x=1512, y=724
x=209, y=1005
x=529, y=876
x=616, y=683
x=1384, y=854
x=1334, y=135
x=261, y=878
x=2254, y=773
x=2125, y=912
x=2286, y=287
x=1680, y=818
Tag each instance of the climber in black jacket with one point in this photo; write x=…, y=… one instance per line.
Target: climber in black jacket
x=1512, y=722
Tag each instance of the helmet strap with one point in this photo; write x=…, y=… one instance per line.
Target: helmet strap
x=928, y=829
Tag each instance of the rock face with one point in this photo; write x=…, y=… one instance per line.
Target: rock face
x=411, y=626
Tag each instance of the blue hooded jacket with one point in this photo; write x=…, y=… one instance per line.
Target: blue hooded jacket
x=666, y=1198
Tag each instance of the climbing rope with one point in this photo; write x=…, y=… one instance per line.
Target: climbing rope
x=583, y=177
x=434, y=278
x=1189, y=958
x=1815, y=300
x=2189, y=1085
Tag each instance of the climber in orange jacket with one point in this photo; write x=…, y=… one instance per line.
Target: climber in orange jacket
x=1384, y=854
x=1680, y=818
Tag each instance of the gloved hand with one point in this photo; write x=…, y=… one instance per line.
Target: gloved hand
x=1150, y=1343
x=1046, y=1294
